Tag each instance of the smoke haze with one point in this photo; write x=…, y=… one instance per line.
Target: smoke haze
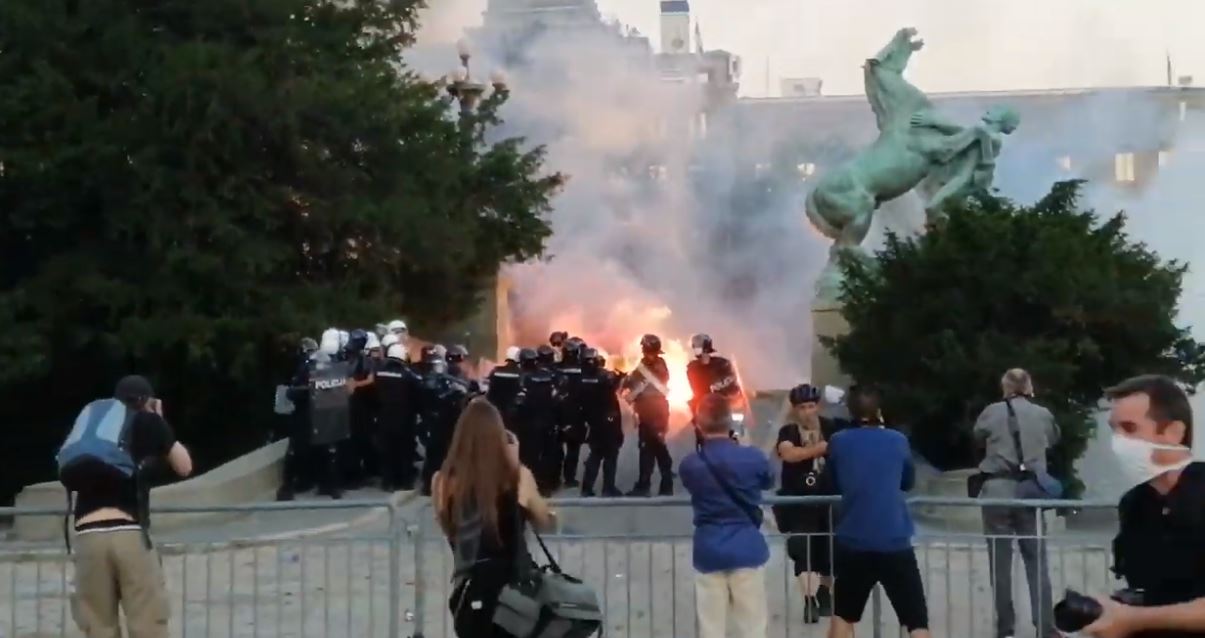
x=712, y=247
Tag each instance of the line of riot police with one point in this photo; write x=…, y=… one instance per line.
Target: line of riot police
x=358, y=407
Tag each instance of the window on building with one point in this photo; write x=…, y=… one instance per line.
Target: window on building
x=1165, y=158
x=1064, y=162
x=1123, y=167
x=1183, y=110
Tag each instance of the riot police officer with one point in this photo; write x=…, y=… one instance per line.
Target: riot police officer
x=535, y=418
x=397, y=387
x=599, y=395
x=570, y=420
x=546, y=355
x=323, y=401
x=360, y=453
x=504, y=384
x=443, y=395
x=709, y=373
x=648, y=391
x=296, y=475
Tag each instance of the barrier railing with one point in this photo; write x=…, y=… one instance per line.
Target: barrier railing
x=638, y=554
x=388, y=575
x=234, y=580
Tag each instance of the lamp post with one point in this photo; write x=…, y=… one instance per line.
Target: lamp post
x=464, y=89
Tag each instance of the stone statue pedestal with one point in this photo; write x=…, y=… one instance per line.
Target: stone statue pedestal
x=827, y=322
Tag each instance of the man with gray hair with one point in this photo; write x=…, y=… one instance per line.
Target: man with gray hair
x=1012, y=428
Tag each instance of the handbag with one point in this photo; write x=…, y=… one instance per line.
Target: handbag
x=545, y=602
x=1033, y=485
x=755, y=514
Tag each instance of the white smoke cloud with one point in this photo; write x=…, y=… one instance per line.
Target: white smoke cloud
x=630, y=255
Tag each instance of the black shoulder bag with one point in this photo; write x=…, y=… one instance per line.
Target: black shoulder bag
x=754, y=513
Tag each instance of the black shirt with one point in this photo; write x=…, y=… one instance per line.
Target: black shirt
x=794, y=475
x=717, y=375
x=1160, y=547
x=150, y=438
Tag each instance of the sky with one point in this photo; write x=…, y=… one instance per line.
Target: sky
x=971, y=45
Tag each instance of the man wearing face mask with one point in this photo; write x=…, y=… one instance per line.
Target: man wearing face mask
x=1160, y=547
x=1004, y=427
x=708, y=374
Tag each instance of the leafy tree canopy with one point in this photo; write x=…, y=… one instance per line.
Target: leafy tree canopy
x=188, y=187
x=937, y=320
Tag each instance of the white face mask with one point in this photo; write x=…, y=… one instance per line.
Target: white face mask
x=698, y=352
x=1135, y=455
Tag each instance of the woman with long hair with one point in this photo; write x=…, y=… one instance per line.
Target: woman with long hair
x=483, y=499
x=802, y=446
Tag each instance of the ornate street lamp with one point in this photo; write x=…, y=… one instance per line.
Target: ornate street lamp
x=461, y=86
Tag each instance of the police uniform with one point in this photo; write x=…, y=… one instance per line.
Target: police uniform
x=652, y=413
x=716, y=376
x=600, y=409
x=397, y=389
x=1160, y=546
x=442, y=397
x=360, y=459
x=535, y=418
x=505, y=382
x=571, y=421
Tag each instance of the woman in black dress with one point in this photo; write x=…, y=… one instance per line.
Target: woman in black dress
x=802, y=446
x=488, y=542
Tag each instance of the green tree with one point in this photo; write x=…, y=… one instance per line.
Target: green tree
x=935, y=321
x=189, y=187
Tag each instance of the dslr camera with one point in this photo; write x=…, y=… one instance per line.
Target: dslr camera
x=1077, y=611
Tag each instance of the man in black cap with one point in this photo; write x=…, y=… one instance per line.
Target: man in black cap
x=109, y=460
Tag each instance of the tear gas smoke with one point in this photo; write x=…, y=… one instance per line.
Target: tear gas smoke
x=663, y=231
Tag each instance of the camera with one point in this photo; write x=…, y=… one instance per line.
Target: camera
x=1077, y=611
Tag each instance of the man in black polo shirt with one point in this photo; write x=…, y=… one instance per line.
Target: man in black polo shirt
x=1160, y=548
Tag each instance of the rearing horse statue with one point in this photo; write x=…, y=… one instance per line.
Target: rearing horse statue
x=916, y=147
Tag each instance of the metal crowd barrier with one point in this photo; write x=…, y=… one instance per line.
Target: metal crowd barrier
x=389, y=575
x=231, y=580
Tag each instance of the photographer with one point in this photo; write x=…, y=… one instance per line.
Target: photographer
x=1160, y=547
x=116, y=450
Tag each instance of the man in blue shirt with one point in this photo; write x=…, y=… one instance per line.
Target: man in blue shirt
x=726, y=481
x=871, y=467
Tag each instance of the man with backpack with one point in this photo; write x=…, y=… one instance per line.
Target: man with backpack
x=113, y=451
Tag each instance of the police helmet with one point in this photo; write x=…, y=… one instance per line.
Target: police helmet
x=331, y=339
x=701, y=343
x=441, y=350
x=344, y=338
x=457, y=354
x=804, y=393
x=574, y=344
x=357, y=340
x=397, y=327
x=650, y=344
x=558, y=338
x=389, y=339
x=372, y=342
x=396, y=351
x=512, y=354
x=308, y=346
x=590, y=356
x=529, y=355
x=545, y=354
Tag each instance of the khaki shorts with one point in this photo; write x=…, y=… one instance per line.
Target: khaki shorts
x=112, y=568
